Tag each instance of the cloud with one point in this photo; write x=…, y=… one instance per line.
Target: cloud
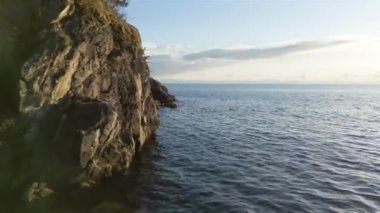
x=153, y=49
x=253, y=53
x=167, y=64
x=171, y=59
x=376, y=76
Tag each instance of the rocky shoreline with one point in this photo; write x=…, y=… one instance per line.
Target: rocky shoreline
x=86, y=101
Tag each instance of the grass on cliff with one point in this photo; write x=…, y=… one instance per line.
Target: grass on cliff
x=107, y=12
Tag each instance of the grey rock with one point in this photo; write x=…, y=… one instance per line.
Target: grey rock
x=84, y=97
x=161, y=94
x=38, y=191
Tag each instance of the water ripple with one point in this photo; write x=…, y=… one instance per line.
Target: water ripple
x=259, y=149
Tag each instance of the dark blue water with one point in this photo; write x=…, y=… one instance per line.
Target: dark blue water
x=251, y=148
x=267, y=148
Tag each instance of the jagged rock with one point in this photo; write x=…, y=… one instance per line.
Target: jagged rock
x=161, y=94
x=84, y=95
x=37, y=191
x=97, y=73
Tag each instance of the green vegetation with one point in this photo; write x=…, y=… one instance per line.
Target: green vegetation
x=106, y=11
x=118, y=3
x=21, y=21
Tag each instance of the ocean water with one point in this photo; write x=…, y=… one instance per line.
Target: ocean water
x=252, y=148
x=267, y=148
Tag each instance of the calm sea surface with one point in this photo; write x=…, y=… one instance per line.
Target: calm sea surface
x=254, y=148
x=267, y=148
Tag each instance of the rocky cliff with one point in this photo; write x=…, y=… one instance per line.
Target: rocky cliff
x=76, y=98
x=161, y=94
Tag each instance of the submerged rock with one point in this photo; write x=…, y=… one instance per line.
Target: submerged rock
x=84, y=96
x=37, y=191
x=110, y=207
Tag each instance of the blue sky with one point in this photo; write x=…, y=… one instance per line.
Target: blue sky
x=173, y=29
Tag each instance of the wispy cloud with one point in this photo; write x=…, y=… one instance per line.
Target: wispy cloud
x=166, y=64
x=376, y=76
x=173, y=59
x=253, y=53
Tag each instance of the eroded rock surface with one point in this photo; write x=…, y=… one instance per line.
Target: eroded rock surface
x=38, y=191
x=162, y=95
x=85, y=104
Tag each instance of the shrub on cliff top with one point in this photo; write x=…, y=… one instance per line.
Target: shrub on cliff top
x=106, y=9
x=117, y=3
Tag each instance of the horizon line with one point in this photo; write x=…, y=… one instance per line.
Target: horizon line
x=268, y=82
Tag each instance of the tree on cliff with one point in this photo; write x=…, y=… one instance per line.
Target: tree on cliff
x=116, y=3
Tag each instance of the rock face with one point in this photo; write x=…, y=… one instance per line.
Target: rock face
x=83, y=91
x=161, y=94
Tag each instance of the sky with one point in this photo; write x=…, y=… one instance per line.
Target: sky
x=266, y=41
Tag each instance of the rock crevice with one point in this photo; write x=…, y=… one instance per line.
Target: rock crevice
x=86, y=99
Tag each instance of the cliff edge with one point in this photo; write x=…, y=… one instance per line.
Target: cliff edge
x=76, y=98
